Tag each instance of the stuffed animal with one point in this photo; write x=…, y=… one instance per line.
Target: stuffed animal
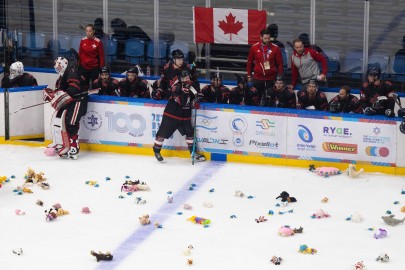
x=18, y=251
x=19, y=212
x=381, y=234
x=320, y=214
x=186, y=206
x=189, y=261
x=144, y=220
x=40, y=203
x=299, y=230
x=29, y=176
x=39, y=177
x=276, y=260
x=61, y=212
x=356, y=218
x=352, y=172
x=304, y=249
x=100, y=256
x=327, y=171
x=187, y=252
x=239, y=193
x=325, y=200
x=383, y=257
x=86, y=210
x=50, y=215
x=285, y=231
x=3, y=179
x=261, y=219
x=359, y=266
x=285, y=197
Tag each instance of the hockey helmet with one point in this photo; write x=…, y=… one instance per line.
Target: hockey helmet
x=177, y=54
x=133, y=70
x=402, y=127
x=240, y=79
x=61, y=63
x=215, y=75
x=401, y=112
x=280, y=78
x=105, y=70
x=184, y=74
x=16, y=69
x=335, y=107
x=374, y=71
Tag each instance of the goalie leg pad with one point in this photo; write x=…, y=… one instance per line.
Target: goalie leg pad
x=64, y=136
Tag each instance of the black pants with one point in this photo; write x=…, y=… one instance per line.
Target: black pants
x=89, y=75
x=170, y=125
x=263, y=86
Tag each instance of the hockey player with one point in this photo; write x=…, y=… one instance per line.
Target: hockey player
x=170, y=73
x=133, y=86
x=312, y=99
x=376, y=95
x=280, y=96
x=177, y=115
x=242, y=94
x=215, y=92
x=345, y=102
x=17, y=77
x=107, y=85
x=70, y=104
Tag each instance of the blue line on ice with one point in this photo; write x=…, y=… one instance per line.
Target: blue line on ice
x=137, y=237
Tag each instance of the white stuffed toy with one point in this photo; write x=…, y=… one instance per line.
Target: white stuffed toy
x=352, y=171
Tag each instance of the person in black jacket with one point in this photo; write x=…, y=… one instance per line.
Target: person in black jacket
x=280, y=96
x=108, y=86
x=312, y=99
x=133, y=86
x=177, y=115
x=17, y=77
x=345, y=102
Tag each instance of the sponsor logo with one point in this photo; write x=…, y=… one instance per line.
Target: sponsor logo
x=207, y=122
x=133, y=124
x=213, y=141
x=156, y=120
x=265, y=125
x=376, y=131
x=264, y=144
x=374, y=151
x=337, y=132
x=92, y=120
x=305, y=134
x=376, y=139
x=345, y=148
x=238, y=126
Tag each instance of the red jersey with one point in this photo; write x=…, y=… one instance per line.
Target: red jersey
x=258, y=55
x=91, y=53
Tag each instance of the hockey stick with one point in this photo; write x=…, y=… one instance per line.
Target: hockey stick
x=42, y=103
x=195, y=137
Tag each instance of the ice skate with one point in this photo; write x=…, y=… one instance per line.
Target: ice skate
x=159, y=156
x=73, y=153
x=198, y=157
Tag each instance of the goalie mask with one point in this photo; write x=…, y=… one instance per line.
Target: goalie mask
x=16, y=69
x=60, y=65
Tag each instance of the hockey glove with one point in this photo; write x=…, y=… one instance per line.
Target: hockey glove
x=60, y=100
x=389, y=113
x=369, y=111
x=48, y=94
x=94, y=91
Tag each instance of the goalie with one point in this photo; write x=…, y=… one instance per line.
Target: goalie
x=70, y=103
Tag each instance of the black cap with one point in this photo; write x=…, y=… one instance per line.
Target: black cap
x=215, y=75
x=105, y=70
x=280, y=78
x=133, y=70
x=313, y=81
x=176, y=54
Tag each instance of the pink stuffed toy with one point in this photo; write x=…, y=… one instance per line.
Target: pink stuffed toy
x=320, y=214
x=86, y=210
x=327, y=171
x=50, y=151
x=285, y=231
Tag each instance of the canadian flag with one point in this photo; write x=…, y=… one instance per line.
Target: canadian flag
x=228, y=26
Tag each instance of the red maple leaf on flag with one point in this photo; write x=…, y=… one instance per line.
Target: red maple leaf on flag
x=230, y=26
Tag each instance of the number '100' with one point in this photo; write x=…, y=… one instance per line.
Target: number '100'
x=122, y=123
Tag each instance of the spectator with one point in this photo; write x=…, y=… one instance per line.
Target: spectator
x=376, y=95
x=17, y=77
x=162, y=86
x=280, y=96
x=215, y=92
x=107, y=85
x=244, y=93
x=273, y=28
x=304, y=61
x=133, y=86
x=268, y=62
x=98, y=29
x=345, y=102
x=307, y=44
x=91, y=55
x=312, y=99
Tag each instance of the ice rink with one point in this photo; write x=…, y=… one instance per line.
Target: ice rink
x=227, y=243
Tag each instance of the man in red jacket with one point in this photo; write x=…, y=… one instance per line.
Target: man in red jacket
x=304, y=62
x=268, y=63
x=91, y=54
